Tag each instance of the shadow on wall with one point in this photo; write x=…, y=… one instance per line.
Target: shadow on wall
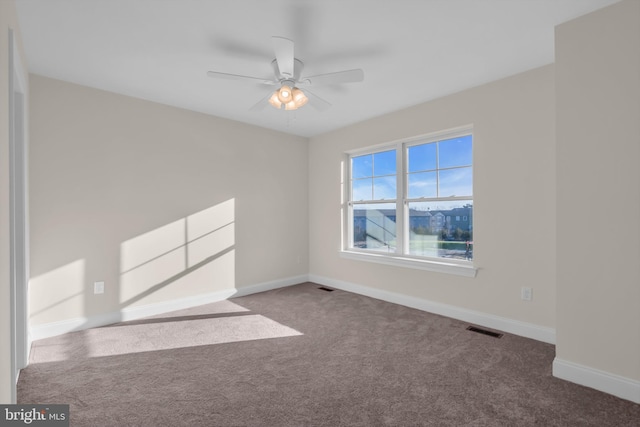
x=59, y=290
x=198, y=248
x=188, y=257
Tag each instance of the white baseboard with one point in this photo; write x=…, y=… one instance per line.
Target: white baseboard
x=511, y=326
x=132, y=313
x=616, y=385
x=274, y=284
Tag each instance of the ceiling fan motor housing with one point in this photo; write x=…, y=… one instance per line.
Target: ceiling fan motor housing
x=298, y=66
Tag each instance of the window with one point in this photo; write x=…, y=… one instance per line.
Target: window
x=413, y=199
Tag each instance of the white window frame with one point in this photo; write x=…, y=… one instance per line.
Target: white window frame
x=400, y=257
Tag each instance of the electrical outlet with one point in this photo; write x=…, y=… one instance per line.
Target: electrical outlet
x=526, y=293
x=98, y=287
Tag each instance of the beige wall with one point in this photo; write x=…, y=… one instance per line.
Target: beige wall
x=8, y=20
x=514, y=189
x=159, y=203
x=598, y=152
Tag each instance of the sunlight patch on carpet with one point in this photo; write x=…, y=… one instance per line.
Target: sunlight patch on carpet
x=159, y=336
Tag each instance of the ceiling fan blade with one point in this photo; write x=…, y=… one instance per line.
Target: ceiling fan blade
x=259, y=106
x=316, y=102
x=284, y=56
x=227, y=76
x=348, y=76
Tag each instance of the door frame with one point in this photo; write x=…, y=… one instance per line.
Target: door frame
x=19, y=214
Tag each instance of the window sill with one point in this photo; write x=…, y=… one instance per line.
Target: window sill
x=466, y=270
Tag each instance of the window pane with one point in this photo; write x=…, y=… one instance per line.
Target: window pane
x=374, y=227
x=384, y=163
x=362, y=189
x=441, y=229
x=456, y=182
x=422, y=157
x=362, y=166
x=384, y=188
x=422, y=184
x=454, y=152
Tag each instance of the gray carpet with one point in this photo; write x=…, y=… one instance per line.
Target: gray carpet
x=301, y=356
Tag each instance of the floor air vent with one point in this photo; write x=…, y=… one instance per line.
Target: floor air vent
x=484, y=332
x=322, y=288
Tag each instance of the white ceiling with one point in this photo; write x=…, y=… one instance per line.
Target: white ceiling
x=411, y=51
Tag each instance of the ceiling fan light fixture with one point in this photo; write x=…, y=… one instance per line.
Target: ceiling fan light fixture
x=291, y=105
x=275, y=101
x=284, y=94
x=292, y=99
x=299, y=97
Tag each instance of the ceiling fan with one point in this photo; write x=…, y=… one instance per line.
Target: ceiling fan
x=288, y=77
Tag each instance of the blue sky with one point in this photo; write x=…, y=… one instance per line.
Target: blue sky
x=436, y=169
